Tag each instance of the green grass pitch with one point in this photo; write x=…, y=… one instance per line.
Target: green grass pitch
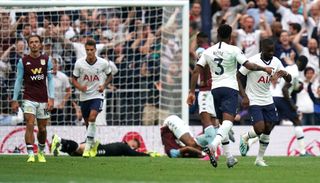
x=140, y=170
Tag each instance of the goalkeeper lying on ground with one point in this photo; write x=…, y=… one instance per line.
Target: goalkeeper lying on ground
x=112, y=149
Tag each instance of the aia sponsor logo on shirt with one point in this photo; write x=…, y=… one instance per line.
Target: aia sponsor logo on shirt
x=90, y=78
x=264, y=79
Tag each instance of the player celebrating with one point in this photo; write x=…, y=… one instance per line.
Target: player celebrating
x=262, y=110
x=206, y=106
x=281, y=92
x=174, y=129
x=222, y=59
x=34, y=70
x=91, y=75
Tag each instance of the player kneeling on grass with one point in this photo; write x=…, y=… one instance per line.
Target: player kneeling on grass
x=174, y=132
x=111, y=149
x=258, y=97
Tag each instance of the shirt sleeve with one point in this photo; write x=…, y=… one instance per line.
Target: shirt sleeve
x=107, y=69
x=18, y=82
x=203, y=59
x=240, y=57
x=50, y=80
x=279, y=66
x=243, y=70
x=76, y=70
x=282, y=10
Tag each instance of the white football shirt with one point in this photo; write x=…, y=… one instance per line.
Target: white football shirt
x=91, y=76
x=222, y=59
x=258, y=82
x=293, y=70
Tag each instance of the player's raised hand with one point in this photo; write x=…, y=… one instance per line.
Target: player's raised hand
x=191, y=98
x=14, y=106
x=50, y=104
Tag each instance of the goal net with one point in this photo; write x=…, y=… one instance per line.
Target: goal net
x=145, y=44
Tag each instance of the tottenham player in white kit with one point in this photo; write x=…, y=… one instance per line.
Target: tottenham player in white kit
x=257, y=95
x=91, y=75
x=281, y=92
x=222, y=59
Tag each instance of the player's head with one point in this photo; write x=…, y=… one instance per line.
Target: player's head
x=134, y=143
x=224, y=32
x=90, y=47
x=267, y=48
x=202, y=38
x=34, y=43
x=302, y=62
x=309, y=73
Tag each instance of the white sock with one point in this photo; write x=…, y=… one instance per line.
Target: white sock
x=300, y=138
x=264, y=142
x=226, y=147
x=250, y=134
x=91, y=132
x=222, y=133
x=41, y=147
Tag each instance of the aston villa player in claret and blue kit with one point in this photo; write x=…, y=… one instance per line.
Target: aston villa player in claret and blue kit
x=33, y=71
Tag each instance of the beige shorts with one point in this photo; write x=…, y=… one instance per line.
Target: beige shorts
x=36, y=108
x=177, y=126
x=205, y=101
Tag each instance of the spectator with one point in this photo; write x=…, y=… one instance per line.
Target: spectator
x=248, y=39
x=311, y=52
x=284, y=48
x=316, y=101
x=62, y=94
x=261, y=13
x=276, y=28
x=65, y=27
x=227, y=14
x=195, y=14
x=304, y=102
x=290, y=15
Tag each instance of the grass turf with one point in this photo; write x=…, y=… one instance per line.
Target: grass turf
x=129, y=169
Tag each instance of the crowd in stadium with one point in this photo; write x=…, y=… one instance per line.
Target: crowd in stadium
x=293, y=25
x=132, y=38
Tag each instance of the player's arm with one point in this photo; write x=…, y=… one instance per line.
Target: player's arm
x=255, y=67
x=283, y=74
x=242, y=81
x=130, y=152
x=188, y=151
x=17, y=86
x=286, y=95
x=74, y=80
x=106, y=83
x=195, y=75
x=50, y=86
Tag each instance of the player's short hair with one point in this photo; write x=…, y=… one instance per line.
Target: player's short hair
x=302, y=62
x=308, y=69
x=267, y=42
x=90, y=42
x=39, y=37
x=295, y=26
x=202, y=35
x=224, y=31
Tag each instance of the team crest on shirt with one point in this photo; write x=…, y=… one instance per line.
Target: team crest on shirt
x=43, y=62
